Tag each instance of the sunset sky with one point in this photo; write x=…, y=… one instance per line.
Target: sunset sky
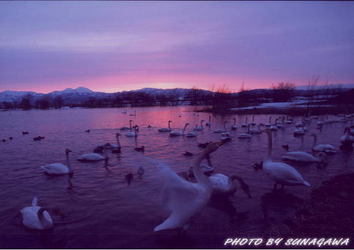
x=113, y=46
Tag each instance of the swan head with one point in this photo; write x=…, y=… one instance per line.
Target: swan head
x=67, y=151
x=258, y=166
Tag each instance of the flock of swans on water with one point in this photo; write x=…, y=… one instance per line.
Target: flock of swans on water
x=186, y=193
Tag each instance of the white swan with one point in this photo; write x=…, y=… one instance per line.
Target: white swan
x=168, y=129
x=183, y=198
x=192, y=134
x=234, y=126
x=327, y=148
x=281, y=173
x=36, y=217
x=347, y=138
x=299, y=131
x=179, y=132
x=59, y=168
x=300, y=156
x=91, y=157
x=221, y=130
x=199, y=128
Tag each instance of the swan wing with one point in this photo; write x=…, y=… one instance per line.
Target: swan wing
x=184, y=199
x=283, y=173
x=30, y=217
x=55, y=168
x=219, y=182
x=91, y=157
x=300, y=156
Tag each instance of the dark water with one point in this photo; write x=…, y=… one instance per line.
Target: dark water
x=100, y=210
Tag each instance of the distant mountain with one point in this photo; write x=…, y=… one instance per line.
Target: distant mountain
x=11, y=96
x=79, y=90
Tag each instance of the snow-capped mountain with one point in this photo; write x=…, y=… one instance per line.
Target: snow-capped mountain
x=79, y=90
x=11, y=96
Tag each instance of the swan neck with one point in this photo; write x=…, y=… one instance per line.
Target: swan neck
x=201, y=178
x=41, y=217
x=68, y=161
x=270, y=145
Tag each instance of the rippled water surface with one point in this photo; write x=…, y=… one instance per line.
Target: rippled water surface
x=99, y=209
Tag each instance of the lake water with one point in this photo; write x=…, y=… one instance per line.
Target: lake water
x=101, y=210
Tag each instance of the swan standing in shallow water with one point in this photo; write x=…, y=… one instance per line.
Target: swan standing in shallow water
x=36, y=217
x=183, y=198
x=281, y=173
x=178, y=132
x=59, y=168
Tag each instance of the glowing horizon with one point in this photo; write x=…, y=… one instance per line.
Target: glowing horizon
x=46, y=46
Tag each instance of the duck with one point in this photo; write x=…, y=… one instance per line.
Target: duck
x=187, y=153
x=36, y=217
x=281, y=173
x=129, y=178
x=183, y=198
x=59, y=168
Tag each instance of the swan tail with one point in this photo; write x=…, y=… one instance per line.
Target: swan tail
x=35, y=201
x=169, y=223
x=307, y=184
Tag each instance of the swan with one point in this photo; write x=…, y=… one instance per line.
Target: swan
x=183, y=198
x=168, y=129
x=127, y=128
x=299, y=131
x=199, y=128
x=208, y=124
x=116, y=148
x=245, y=135
x=59, y=168
x=132, y=133
x=300, y=156
x=346, y=139
x=90, y=157
x=234, y=126
x=36, y=217
x=255, y=131
x=246, y=123
x=281, y=173
x=221, y=130
x=223, y=184
x=191, y=134
x=327, y=148
x=178, y=132
x=225, y=137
